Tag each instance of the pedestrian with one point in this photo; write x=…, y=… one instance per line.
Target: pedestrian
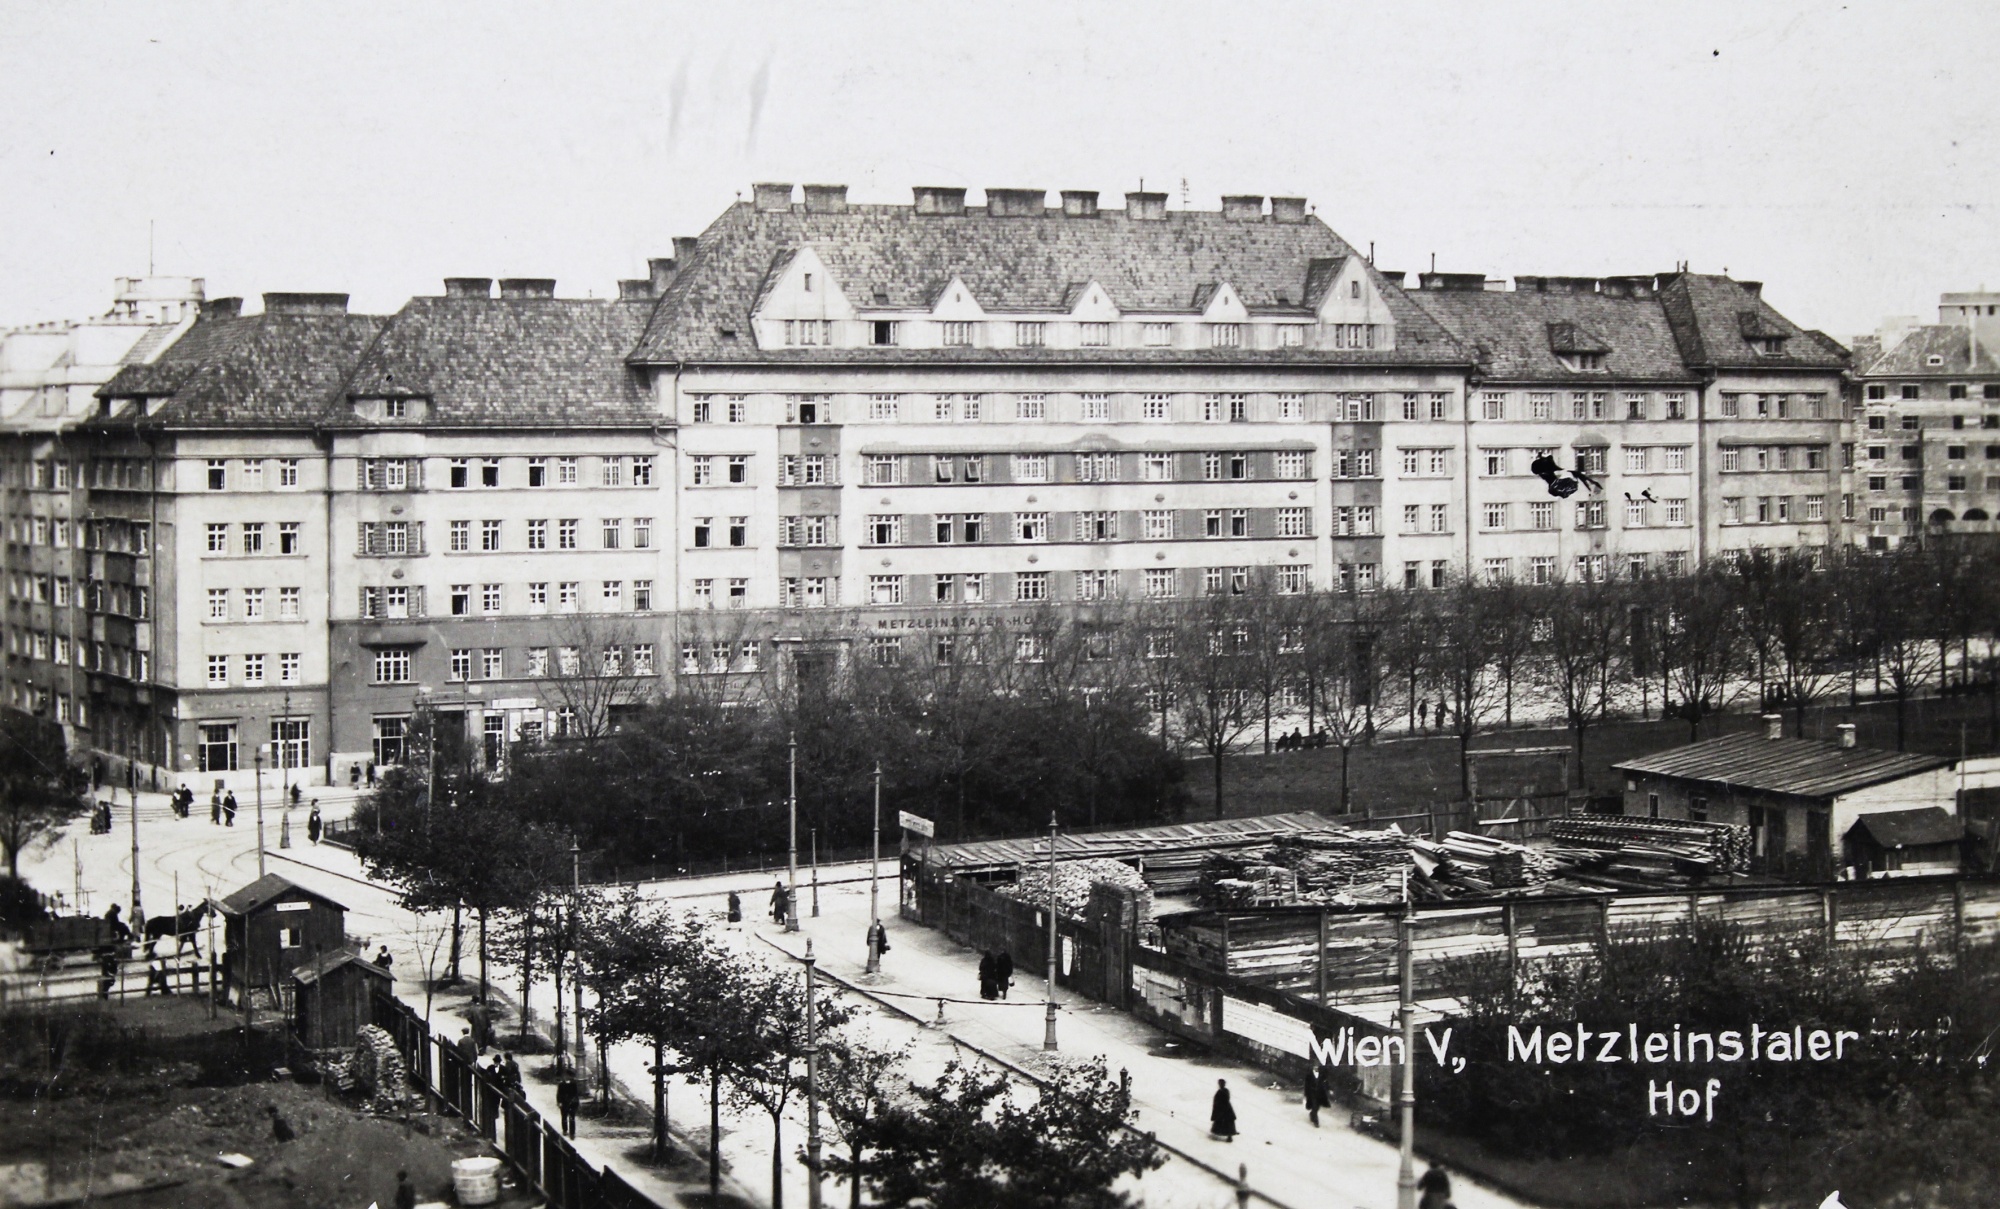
x=1434, y=1188
x=354, y=776
x=215, y=807
x=878, y=938
x=1221, y=1115
x=735, y=907
x=406, y=1192
x=988, y=982
x=371, y=774
x=512, y=1074
x=297, y=793
x=313, y=824
x=468, y=1058
x=383, y=957
x=1315, y=1094
x=1423, y=715
x=566, y=1098
x=1003, y=971
x=115, y=917
x=229, y=809
x=156, y=971
x=780, y=902
x=107, y=972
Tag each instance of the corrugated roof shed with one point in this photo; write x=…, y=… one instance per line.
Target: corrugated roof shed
x=892, y=257
x=1509, y=331
x=536, y=362
x=263, y=890
x=1911, y=828
x=1801, y=767
x=1140, y=841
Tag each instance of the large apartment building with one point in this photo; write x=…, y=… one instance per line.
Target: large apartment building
x=824, y=427
x=1927, y=444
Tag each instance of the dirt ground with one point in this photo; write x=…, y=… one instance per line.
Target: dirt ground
x=148, y=1094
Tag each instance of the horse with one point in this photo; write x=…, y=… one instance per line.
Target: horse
x=185, y=928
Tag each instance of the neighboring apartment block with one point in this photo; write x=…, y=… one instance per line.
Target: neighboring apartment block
x=1927, y=439
x=824, y=428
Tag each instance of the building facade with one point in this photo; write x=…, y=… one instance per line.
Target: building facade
x=824, y=428
x=1927, y=439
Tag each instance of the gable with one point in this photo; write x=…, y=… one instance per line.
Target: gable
x=1352, y=296
x=1094, y=305
x=800, y=287
x=955, y=301
x=1225, y=306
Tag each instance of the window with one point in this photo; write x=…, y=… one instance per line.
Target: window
x=1238, y=407
x=1159, y=583
x=1097, y=526
x=218, y=474
x=1294, y=522
x=1031, y=407
x=1493, y=405
x=1732, y=458
x=218, y=604
x=566, y=472
x=1225, y=335
x=1096, y=467
x=1158, y=524
x=538, y=472
x=1440, y=518
x=1093, y=335
x=460, y=665
x=461, y=600
x=491, y=664
x=1910, y=391
x=566, y=534
x=568, y=593
x=1590, y=568
x=957, y=334
x=489, y=535
x=218, y=671
x=1590, y=514
x=218, y=539
x=1155, y=407
x=882, y=470
x=1495, y=460
x=1636, y=459
x=1031, y=468
x=288, y=537
x=392, y=666
x=702, y=413
x=884, y=332
x=288, y=472
x=1030, y=335
x=253, y=604
x=882, y=407
x=613, y=595
x=1157, y=335
x=885, y=530
x=1542, y=514
x=538, y=535
x=1635, y=514
x=806, y=333
x=704, y=593
x=1096, y=408
x=1031, y=526
x=1095, y=585
x=1494, y=516
x=612, y=529
x=461, y=537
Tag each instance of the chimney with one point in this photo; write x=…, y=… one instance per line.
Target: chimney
x=1079, y=203
x=527, y=287
x=826, y=199
x=1846, y=730
x=468, y=287
x=1753, y=288
x=1630, y=286
x=1774, y=726
x=1615, y=287
x=221, y=308
x=1288, y=209
x=1465, y=283
x=635, y=289
x=937, y=199
x=305, y=304
x=1146, y=207
x=660, y=271
x=1016, y=203
x=772, y=199
x=1243, y=207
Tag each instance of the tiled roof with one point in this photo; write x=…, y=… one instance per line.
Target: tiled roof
x=263, y=890
x=1910, y=357
x=1800, y=767
x=1513, y=333
x=1714, y=318
x=1911, y=828
x=893, y=257
x=513, y=361
x=263, y=369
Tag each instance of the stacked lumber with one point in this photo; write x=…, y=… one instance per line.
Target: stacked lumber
x=1672, y=849
x=1336, y=866
x=1073, y=882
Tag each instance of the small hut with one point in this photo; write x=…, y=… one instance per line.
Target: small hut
x=273, y=925
x=333, y=998
x=1906, y=843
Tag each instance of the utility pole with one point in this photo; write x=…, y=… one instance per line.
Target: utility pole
x=874, y=880
x=257, y=762
x=1049, y=1022
x=815, y=871
x=1406, y=1091
x=812, y=1086
x=576, y=946
x=792, y=847
x=139, y=915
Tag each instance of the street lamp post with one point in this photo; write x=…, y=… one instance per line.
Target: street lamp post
x=874, y=878
x=1049, y=1024
x=257, y=762
x=815, y=871
x=576, y=945
x=138, y=914
x=792, y=847
x=1406, y=1091
x=812, y=1086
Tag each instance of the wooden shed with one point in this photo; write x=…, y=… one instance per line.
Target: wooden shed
x=1906, y=843
x=332, y=998
x=271, y=926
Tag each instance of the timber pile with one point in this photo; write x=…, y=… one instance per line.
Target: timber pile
x=1338, y=866
x=1073, y=882
x=1499, y=864
x=1670, y=849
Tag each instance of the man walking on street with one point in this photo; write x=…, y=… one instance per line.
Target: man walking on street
x=1434, y=1187
x=215, y=807
x=566, y=1098
x=1315, y=1094
x=229, y=809
x=313, y=824
x=781, y=902
x=1003, y=971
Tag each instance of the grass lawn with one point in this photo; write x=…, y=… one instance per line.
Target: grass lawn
x=1405, y=775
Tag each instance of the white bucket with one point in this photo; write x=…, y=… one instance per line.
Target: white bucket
x=476, y=1181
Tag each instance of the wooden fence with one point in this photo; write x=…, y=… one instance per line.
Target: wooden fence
x=1339, y=955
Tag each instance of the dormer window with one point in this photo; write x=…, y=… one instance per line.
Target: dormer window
x=395, y=409
x=1031, y=335
x=957, y=334
x=1093, y=335
x=1769, y=346
x=1583, y=362
x=883, y=332
x=1934, y=359
x=1225, y=335
x=804, y=333
x=385, y=410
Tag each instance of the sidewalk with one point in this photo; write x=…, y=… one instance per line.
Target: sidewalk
x=1172, y=1081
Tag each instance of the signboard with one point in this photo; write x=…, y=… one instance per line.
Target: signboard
x=512, y=703
x=293, y=907
x=917, y=823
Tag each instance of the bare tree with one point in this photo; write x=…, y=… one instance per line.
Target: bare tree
x=1698, y=635
x=1459, y=622
x=1580, y=651
x=1212, y=678
x=1338, y=666
x=591, y=675
x=1791, y=610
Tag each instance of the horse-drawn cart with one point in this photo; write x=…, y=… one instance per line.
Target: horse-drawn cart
x=53, y=940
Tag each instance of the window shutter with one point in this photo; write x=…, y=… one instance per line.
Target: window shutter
x=417, y=608
x=417, y=539
x=363, y=531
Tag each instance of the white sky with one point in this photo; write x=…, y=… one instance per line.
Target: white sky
x=1845, y=154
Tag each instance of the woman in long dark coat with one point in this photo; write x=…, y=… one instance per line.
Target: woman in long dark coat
x=1221, y=1114
x=988, y=976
